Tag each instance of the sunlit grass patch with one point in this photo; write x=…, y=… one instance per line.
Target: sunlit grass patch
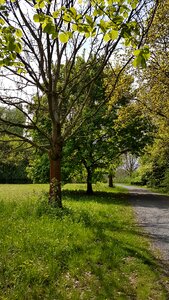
x=91, y=249
x=19, y=192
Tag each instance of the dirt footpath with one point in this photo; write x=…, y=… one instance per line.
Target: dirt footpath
x=152, y=211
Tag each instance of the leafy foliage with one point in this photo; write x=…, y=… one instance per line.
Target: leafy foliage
x=107, y=18
x=13, y=157
x=153, y=96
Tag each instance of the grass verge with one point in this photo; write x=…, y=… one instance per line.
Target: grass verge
x=92, y=249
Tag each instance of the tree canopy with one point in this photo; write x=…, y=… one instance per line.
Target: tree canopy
x=153, y=98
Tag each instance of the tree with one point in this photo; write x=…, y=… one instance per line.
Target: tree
x=153, y=98
x=38, y=168
x=154, y=165
x=153, y=92
x=41, y=43
x=13, y=162
x=93, y=143
x=118, y=127
x=130, y=163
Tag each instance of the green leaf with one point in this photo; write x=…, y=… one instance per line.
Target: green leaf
x=11, y=45
x=133, y=3
x=87, y=34
x=127, y=42
x=143, y=62
x=74, y=27
x=95, y=13
x=89, y=20
x=141, y=56
x=136, y=61
x=18, y=47
x=94, y=32
x=137, y=52
x=146, y=52
x=114, y=34
x=66, y=17
x=39, y=4
x=107, y=37
x=36, y=18
x=19, y=71
x=18, y=33
x=42, y=4
x=125, y=14
x=79, y=18
x=103, y=25
x=64, y=37
x=73, y=11
x=12, y=56
x=98, y=12
x=118, y=20
x=48, y=28
x=139, y=61
x=56, y=14
x=40, y=18
x=54, y=35
x=2, y=22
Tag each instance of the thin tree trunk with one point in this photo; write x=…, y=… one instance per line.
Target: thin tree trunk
x=89, y=181
x=111, y=180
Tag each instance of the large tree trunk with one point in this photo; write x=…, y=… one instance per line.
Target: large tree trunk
x=89, y=181
x=111, y=180
x=55, y=155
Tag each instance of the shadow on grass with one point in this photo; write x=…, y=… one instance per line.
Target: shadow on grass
x=104, y=258
x=113, y=238
x=97, y=196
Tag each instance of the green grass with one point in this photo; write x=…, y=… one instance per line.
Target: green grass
x=92, y=249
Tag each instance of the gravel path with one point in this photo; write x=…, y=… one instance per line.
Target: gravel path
x=152, y=211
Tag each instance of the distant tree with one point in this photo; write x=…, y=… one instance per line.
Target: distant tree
x=154, y=165
x=38, y=168
x=119, y=127
x=134, y=129
x=112, y=170
x=130, y=163
x=13, y=157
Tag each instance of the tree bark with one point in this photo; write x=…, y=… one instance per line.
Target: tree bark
x=55, y=156
x=111, y=180
x=55, y=196
x=89, y=182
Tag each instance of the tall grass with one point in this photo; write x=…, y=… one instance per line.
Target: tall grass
x=92, y=249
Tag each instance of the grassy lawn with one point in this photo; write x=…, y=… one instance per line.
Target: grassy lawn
x=92, y=249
